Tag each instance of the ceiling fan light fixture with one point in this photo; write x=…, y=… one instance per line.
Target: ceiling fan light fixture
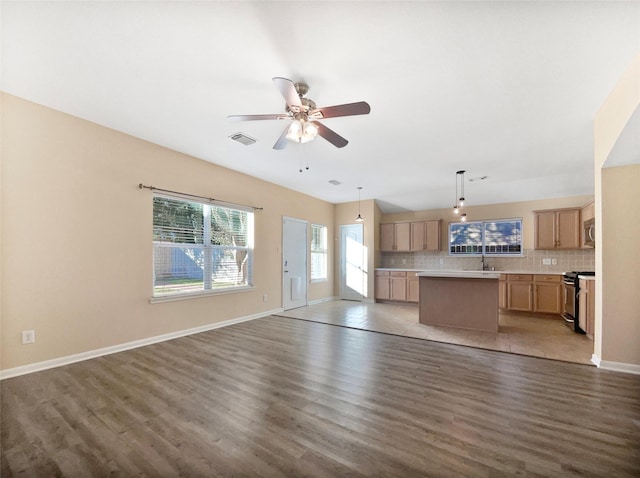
x=295, y=131
x=309, y=132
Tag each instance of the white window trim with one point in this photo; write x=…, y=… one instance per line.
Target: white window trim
x=520, y=254
x=325, y=252
x=200, y=294
x=172, y=297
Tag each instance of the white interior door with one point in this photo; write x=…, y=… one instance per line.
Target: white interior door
x=294, y=263
x=353, y=275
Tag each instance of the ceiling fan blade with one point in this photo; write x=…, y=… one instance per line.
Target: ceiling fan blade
x=330, y=135
x=288, y=90
x=350, y=109
x=282, y=140
x=257, y=117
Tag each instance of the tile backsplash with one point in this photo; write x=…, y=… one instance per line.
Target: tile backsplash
x=531, y=260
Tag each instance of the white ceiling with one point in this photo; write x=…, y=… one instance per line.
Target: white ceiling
x=503, y=89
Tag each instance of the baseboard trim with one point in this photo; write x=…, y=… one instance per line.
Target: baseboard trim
x=320, y=301
x=69, y=359
x=617, y=366
x=595, y=360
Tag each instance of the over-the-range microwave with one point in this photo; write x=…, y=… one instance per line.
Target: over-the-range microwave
x=589, y=232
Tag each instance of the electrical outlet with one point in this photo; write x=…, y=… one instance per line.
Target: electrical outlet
x=546, y=261
x=554, y=261
x=28, y=336
x=265, y=297
x=441, y=261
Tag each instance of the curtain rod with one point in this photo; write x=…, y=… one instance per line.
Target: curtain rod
x=153, y=188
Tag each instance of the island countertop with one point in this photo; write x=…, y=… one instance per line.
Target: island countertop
x=461, y=274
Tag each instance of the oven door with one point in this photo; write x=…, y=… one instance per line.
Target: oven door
x=569, y=301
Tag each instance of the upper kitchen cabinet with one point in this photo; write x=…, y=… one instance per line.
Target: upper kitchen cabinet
x=395, y=236
x=425, y=235
x=588, y=211
x=557, y=229
x=410, y=236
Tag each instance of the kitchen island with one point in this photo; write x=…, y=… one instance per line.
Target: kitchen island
x=463, y=299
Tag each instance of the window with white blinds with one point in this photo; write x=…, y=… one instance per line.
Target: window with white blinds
x=318, y=252
x=200, y=247
x=502, y=237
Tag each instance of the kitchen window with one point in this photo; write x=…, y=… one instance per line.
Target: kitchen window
x=200, y=247
x=501, y=237
x=318, y=252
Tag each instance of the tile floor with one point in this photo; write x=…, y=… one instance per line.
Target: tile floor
x=524, y=335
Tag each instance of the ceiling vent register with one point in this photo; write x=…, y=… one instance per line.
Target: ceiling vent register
x=243, y=138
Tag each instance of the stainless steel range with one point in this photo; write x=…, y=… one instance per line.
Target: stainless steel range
x=571, y=303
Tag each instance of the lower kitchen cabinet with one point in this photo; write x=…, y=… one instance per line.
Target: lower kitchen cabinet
x=383, y=286
x=586, y=307
x=547, y=293
x=399, y=286
x=531, y=293
x=519, y=294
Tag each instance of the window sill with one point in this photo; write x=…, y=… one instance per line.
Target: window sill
x=315, y=281
x=198, y=295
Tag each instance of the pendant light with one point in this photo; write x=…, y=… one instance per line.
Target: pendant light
x=461, y=199
x=359, y=218
x=459, y=203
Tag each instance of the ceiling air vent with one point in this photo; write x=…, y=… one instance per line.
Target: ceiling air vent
x=335, y=182
x=243, y=138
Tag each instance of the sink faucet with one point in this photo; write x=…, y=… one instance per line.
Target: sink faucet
x=485, y=266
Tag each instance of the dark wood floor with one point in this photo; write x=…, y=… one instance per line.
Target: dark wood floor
x=287, y=397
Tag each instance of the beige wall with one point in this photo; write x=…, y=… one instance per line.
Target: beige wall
x=621, y=259
x=521, y=209
x=617, y=314
x=77, y=232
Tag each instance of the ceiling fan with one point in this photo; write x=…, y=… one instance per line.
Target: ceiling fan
x=304, y=113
